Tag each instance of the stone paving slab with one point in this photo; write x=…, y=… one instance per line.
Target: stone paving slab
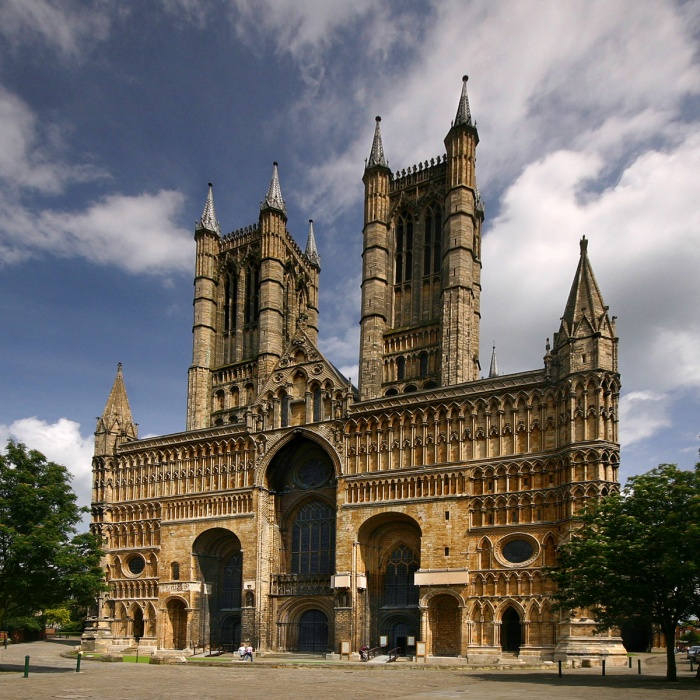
x=53, y=676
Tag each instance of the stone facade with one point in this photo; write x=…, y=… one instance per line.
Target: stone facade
x=418, y=510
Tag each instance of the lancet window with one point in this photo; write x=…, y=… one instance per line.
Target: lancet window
x=431, y=241
x=252, y=295
x=313, y=539
x=399, y=588
x=404, y=249
x=230, y=297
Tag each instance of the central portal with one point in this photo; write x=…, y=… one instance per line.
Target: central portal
x=302, y=479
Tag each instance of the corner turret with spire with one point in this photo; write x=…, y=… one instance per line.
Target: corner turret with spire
x=586, y=339
x=116, y=424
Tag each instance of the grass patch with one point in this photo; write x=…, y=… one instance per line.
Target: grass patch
x=132, y=659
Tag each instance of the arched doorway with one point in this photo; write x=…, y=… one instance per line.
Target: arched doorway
x=313, y=632
x=390, y=554
x=176, y=625
x=230, y=635
x=219, y=562
x=444, y=625
x=511, y=631
x=136, y=622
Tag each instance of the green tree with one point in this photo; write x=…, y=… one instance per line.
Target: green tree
x=637, y=553
x=43, y=562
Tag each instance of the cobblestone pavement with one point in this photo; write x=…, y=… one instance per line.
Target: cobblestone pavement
x=52, y=676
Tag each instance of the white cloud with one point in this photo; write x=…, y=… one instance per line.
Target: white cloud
x=67, y=25
x=59, y=442
x=28, y=156
x=139, y=233
x=642, y=414
x=643, y=248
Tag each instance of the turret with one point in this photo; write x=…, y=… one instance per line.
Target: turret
x=586, y=339
x=207, y=240
x=493, y=369
x=114, y=427
x=273, y=222
x=376, y=262
x=311, y=253
x=116, y=424
x=461, y=245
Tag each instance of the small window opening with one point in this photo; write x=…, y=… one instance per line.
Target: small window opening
x=447, y=515
x=447, y=551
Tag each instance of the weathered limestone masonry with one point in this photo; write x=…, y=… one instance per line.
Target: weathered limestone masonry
x=416, y=512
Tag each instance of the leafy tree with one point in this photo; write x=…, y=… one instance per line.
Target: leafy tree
x=637, y=554
x=43, y=562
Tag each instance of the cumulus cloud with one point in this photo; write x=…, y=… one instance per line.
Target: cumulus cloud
x=643, y=248
x=60, y=442
x=643, y=413
x=138, y=233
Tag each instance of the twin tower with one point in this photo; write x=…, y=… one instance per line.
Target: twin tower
x=256, y=290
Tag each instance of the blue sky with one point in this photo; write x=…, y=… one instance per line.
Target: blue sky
x=113, y=117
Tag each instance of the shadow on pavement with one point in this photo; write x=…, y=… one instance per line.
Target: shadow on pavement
x=34, y=669
x=67, y=642
x=591, y=681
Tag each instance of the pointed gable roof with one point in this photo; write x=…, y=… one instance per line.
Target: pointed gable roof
x=208, y=219
x=273, y=198
x=376, y=154
x=301, y=353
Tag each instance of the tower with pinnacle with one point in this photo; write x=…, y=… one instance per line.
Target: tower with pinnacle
x=421, y=274
x=252, y=288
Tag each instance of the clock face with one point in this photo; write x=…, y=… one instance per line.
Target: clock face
x=516, y=551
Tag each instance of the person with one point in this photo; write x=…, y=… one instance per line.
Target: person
x=241, y=651
x=249, y=652
x=364, y=656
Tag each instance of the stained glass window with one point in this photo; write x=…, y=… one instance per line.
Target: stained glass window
x=313, y=539
x=399, y=589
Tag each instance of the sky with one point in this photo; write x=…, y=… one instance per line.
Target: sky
x=114, y=116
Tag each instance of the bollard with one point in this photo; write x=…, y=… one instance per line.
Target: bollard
x=560, y=669
x=639, y=667
x=77, y=663
x=691, y=665
x=26, y=667
x=603, y=666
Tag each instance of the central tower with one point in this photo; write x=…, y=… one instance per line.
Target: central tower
x=421, y=277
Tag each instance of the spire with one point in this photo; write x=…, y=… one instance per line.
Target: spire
x=117, y=410
x=311, y=250
x=464, y=115
x=585, y=300
x=376, y=155
x=493, y=371
x=209, y=220
x=273, y=198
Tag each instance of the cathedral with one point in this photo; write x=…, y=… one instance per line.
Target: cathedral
x=417, y=512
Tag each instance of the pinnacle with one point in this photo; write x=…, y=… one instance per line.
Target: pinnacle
x=311, y=249
x=464, y=115
x=376, y=155
x=273, y=198
x=117, y=406
x=208, y=220
x=493, y=370
x=585, y=299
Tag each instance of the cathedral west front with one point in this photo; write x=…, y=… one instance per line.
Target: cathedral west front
x=416, y=512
